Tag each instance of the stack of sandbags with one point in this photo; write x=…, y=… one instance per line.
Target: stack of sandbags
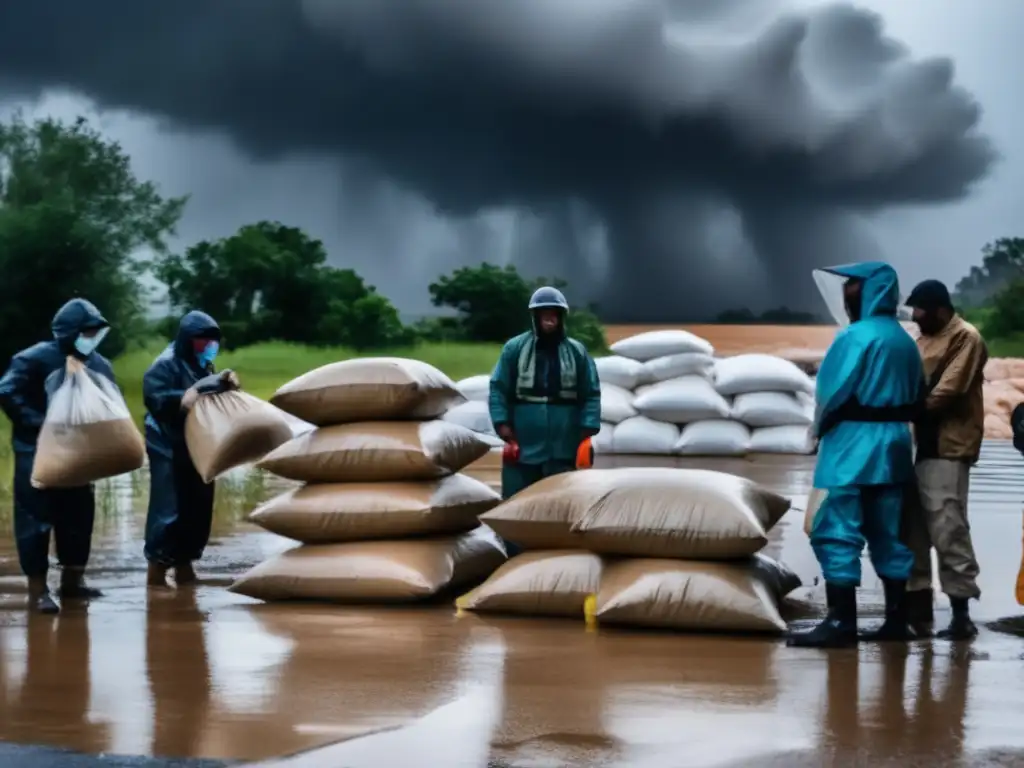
x=653, y=547
x=1004, y=391
x=383, y=515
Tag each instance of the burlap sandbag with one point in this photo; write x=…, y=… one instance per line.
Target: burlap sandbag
x=87, y=434
x=376, y=451
x=375, y=571
x=339, y=512
x=642, y=512
x=226, y=430
x=551, y=583
x=369, y=389
x=740, y=596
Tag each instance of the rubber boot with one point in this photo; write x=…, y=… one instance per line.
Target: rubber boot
x=184, y=573
x=896, y=627
x=961, y=627
x=920, y=611
x=839, y=629
x=39, y=597
x=73, y=586
x=156, y=575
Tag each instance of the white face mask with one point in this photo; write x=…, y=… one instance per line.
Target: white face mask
x=86, y=345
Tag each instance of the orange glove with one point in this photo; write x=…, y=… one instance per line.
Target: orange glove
x=510, y=453
x=585, y=454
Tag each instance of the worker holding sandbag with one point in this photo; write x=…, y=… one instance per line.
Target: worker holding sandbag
x=545, y=397
x=180, y=501
x=78, y=328
x=868, y=390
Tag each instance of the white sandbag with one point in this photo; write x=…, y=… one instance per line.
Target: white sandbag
x=680, y=401
x=645, y=436
x=474, y=415
x=772, y=409
x=674, y=366
x=647, y=346
x=791, y=439
x=475, y=387
x=603, y=441
x=616, y=404
x=620, y=371
x=716, y=437
x=759, y=373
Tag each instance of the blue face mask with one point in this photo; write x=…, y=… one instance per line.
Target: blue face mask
x=209, y=354
x=86, y=345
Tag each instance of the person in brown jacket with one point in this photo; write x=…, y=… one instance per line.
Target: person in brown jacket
x=949, y=432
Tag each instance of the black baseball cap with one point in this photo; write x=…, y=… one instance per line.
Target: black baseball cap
x=930, y=294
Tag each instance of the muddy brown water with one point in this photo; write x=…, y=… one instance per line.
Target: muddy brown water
x=204, y=673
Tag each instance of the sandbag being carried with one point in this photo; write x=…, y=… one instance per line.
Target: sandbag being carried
x=376, y=451
x=674, y=366
x=641, y=435
x=374, y=571
x=368, y=389
x=228, y=429
x=652, y=344
x=332, y=513
x=476, y=388
x=759, y=373
x=792, y=439
x=739, y=596
x=682, y=400
x=620, y=371
x=772, y=409
x=642, y=512
x=616, y=404
x=87, y=433
x=546, y=583
x=717, y=437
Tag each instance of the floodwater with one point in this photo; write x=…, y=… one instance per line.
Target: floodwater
x=204, y=673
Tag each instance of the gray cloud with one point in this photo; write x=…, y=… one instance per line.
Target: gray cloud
x=622, y=131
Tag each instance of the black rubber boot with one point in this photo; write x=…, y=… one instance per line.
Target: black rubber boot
x=839, y=629
x=920, y=606
x=73, y=586
x=40, y=599
x=896, y=627
x=961, y=627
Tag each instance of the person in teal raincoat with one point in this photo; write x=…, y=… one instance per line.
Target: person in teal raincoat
x=869, y=388
x=545, y=397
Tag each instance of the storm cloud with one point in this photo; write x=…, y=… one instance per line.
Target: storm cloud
x=623, y=132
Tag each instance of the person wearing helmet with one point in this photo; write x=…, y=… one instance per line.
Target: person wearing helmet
x=67, y=513
x=869, y=387
x=545, y=396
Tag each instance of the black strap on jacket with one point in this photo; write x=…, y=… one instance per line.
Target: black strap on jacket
x=854, y=410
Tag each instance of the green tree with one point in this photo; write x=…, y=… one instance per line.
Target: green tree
x=1005, y=317
x=73, y=217
x=1002, y=263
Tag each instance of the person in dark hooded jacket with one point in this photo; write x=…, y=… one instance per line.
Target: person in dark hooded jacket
x=180, y=503
x=78, y=328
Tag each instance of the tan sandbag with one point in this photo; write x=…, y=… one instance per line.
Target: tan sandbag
x=546, y=583
x=542, y=515
x=739, y=596
x=340, y=512
x=369, y=389
x=229, y=429
x=375, y=571
x=1000, y=368
x=376, y=451
x=87, y=433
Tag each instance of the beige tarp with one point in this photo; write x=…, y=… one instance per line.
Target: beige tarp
x=546, y=583
x=369, y=389
x=226, y=430
x=689, y=595
x=375, y=571
x=87, y=434
x=642, y=512
x=376, y=451
x=340, y=512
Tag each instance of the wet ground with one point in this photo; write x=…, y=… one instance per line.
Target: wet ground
x=201, y=673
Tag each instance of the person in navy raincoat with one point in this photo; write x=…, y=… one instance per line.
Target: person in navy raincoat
x=78, y=328
x=870, y=386
x=180, y=503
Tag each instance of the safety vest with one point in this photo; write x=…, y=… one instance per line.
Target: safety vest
x=570, y=353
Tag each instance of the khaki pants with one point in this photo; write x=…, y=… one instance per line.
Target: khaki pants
x=941, y=522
